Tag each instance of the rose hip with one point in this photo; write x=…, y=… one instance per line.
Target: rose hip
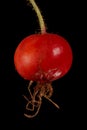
x=43, y=57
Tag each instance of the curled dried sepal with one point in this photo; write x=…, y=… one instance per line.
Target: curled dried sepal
x=40, y=90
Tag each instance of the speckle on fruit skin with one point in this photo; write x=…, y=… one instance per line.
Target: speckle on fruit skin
x=45, y=76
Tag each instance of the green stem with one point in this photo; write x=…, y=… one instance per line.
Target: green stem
x=40, y=18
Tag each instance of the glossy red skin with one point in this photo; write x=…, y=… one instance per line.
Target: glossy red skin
x=43, y=57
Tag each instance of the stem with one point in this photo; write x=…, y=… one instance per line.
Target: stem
x=40, y=18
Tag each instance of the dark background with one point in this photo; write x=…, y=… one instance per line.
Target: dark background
x=18, y=21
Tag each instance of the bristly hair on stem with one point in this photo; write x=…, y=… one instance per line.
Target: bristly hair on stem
x=39, y=15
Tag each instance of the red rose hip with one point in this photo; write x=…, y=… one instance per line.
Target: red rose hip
x=43, y=57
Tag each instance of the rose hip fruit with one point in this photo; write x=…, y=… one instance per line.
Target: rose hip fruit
x=43, y=57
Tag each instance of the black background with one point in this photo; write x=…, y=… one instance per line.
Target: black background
x=18, y=20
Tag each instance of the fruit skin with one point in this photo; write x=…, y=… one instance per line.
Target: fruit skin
x=43, y=57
